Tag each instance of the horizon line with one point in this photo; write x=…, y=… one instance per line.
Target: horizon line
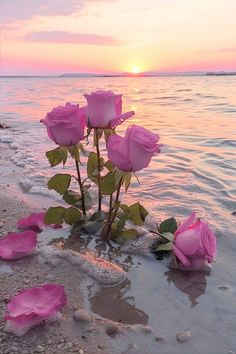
x=128, y=74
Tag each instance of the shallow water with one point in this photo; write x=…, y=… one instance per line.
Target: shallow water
x=196, y=120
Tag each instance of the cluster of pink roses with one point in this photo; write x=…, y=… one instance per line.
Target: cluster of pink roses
x=66, y=127
x=191, y=242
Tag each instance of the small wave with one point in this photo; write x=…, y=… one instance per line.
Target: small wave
x=183, y=90
x=167, y=98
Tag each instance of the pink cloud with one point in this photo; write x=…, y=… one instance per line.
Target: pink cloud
x=76, y=38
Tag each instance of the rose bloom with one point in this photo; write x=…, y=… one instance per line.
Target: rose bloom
x=65, y=124
x=194, y=243
x=104, y=110
x=135, y=150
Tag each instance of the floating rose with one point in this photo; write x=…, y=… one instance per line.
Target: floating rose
x=104, y=110
x=65, y=124
x=35, y=221
x=18, y=245
x=135, y=150
x=31, y=306
x=194, y=243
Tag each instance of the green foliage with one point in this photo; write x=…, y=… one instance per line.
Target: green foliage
x=128, y=177
x=60, y=183
x=71, y=197
x=72, y=215
x=74, y=151
x=121, y=236
x=168, y=236
x=92, y=166
x=109, y=165
x=167, y=246
x=118, y=176
x=97, y=135
x=57, y=156
x=136, y=213
x=108, y=132
x=108, y=184
x=168, y=225
x=54, y=215
x=87, y=199
x=74, y=198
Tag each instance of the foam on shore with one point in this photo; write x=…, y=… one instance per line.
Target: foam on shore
x=105, y=272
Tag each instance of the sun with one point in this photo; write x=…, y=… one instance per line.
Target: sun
x=135, y=70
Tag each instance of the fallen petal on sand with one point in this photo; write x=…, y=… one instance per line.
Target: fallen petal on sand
x=18, y=245
x=35, y=221
x=31, y=306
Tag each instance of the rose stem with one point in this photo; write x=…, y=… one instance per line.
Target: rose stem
x=99, y=170
x=81, y=188
x=110, y=207
x=116, y=209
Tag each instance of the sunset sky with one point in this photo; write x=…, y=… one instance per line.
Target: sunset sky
x=110, y=36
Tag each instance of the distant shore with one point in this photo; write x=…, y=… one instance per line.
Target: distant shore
x=145, y=74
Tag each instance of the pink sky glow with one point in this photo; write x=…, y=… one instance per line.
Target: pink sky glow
x=102, y=36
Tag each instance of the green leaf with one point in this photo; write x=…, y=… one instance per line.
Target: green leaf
x=168, y=236
x=71, y=197
x=60, y=183
x=97, y=135
x=109, y=165
x=63, y=152
x=72, y=215
x=137, y=213
x=128, y=177
x=123, y=236
x=88, y=201
x=124, y=207
x=118, y=176
x=108, y=132
x=164, y=247
x=56, y=156
x=74, y=151
x=92, y=166
x=121, y=222
x=54, y=215
x=108, y=185
x=168, y=225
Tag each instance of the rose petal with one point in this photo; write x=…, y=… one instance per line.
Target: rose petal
x=186, y=224
x=30, y=306
x=189, y=241
x=120, y=119
x=36, y=222
x=183, y=259
x=17, y=245
x=43, y=300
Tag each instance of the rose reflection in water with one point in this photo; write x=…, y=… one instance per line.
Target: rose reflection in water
x=193, y=284
x=112, y=303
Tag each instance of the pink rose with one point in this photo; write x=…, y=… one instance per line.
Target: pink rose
x=135, y=150
x=194, y=243
x=65, y=124
x=104, y=110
